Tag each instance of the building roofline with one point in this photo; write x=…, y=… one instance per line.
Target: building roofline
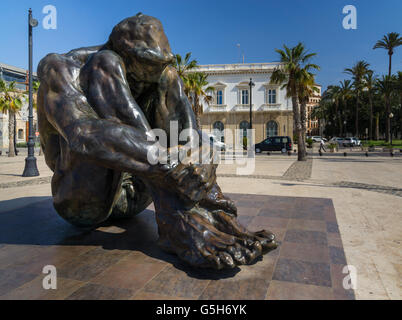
x=10, y=68
x=237, y=68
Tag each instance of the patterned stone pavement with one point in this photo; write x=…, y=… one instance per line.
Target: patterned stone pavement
x=121, y=261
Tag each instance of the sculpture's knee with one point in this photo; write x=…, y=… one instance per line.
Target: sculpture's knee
x=57, y=72
x=104, y=62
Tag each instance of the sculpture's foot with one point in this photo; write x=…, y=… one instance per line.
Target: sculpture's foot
x=211, y=239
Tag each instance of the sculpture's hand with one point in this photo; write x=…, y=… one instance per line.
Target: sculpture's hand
x=190, y=180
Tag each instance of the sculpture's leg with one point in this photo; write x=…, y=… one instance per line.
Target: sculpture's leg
x=134, y=198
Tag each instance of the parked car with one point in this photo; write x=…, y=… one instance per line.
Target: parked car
x=215, y=143
x=336, y=140
x=357, y=142
x=317, y=138
x=348, y=142
x=283, y=144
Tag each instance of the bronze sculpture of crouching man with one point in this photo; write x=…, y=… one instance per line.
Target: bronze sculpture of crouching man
x=97, y=107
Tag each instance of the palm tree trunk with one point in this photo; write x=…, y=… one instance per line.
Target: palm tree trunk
x=371, y=118
x=303, y=126
x=339, y=119
x=400, y=112
x=357, y=116
x=11, y=147
x=377, y=126
x=390, y=65
x=387, y=120
x=301, y=145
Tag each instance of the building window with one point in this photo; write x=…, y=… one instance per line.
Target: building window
x=272, y=129
x=20, y=134
x=244, y=96
x=218, y=131
x=271, y=98
x=219, y=97
x=244, y=125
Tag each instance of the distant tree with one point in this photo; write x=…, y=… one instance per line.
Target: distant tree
x=10, y=102
x=386, y=87
x=184, y=65
x=333, y=95
x=198, y=91
x=346, y=93
x=389, y=42
x=358, y=72
x=369, y=84
x=398, y=87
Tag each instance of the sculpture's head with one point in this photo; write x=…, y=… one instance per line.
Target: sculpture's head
x=143, y=45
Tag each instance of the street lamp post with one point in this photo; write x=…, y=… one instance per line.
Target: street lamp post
x=251, y=84
x=31, y=169
x=391, y=115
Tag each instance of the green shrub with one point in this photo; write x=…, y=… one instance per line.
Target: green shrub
x=309, y=143
x=22, y=145
x=332, y=146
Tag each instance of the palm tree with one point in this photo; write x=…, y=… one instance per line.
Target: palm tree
x=369, y=84
x=306, y=89
x=10, y=102
x=198, y=92
x=398, y=84
x=389, y=42
x=358, y=72
x=183, y=66
x=294, y=65
x=385, y=87
x=345, y=93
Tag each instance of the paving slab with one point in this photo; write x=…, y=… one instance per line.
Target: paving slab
x=120, y=260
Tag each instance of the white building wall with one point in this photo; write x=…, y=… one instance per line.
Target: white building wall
x=261, y=81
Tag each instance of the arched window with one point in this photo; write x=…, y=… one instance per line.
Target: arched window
x=272, y=129
x=243, y=127
x=218, y=128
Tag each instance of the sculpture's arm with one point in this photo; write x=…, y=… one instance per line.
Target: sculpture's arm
x=105, y=142
x=104, y=83
x=175, y=104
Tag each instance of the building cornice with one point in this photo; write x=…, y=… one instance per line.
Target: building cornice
x=240, y=68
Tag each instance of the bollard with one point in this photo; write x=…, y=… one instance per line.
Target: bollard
x=366, y=154
x=345, y=154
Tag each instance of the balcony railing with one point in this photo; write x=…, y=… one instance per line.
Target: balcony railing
x=243, y=107
x=217, y=108
x=236, y=67
x=270, y=107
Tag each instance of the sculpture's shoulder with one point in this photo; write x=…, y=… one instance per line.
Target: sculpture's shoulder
x=55, y=68
x=82, y=54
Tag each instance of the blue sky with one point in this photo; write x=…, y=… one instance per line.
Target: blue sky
x=211, y=29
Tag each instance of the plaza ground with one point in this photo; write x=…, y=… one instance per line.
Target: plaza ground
x=366, y=194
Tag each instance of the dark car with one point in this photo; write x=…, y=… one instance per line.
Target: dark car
x=283, y=144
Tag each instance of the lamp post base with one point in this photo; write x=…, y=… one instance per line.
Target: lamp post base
x=31, y=170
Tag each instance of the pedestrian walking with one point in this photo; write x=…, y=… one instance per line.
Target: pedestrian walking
x=322, y=146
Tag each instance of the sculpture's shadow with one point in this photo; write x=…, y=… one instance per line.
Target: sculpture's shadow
x=33, y=221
